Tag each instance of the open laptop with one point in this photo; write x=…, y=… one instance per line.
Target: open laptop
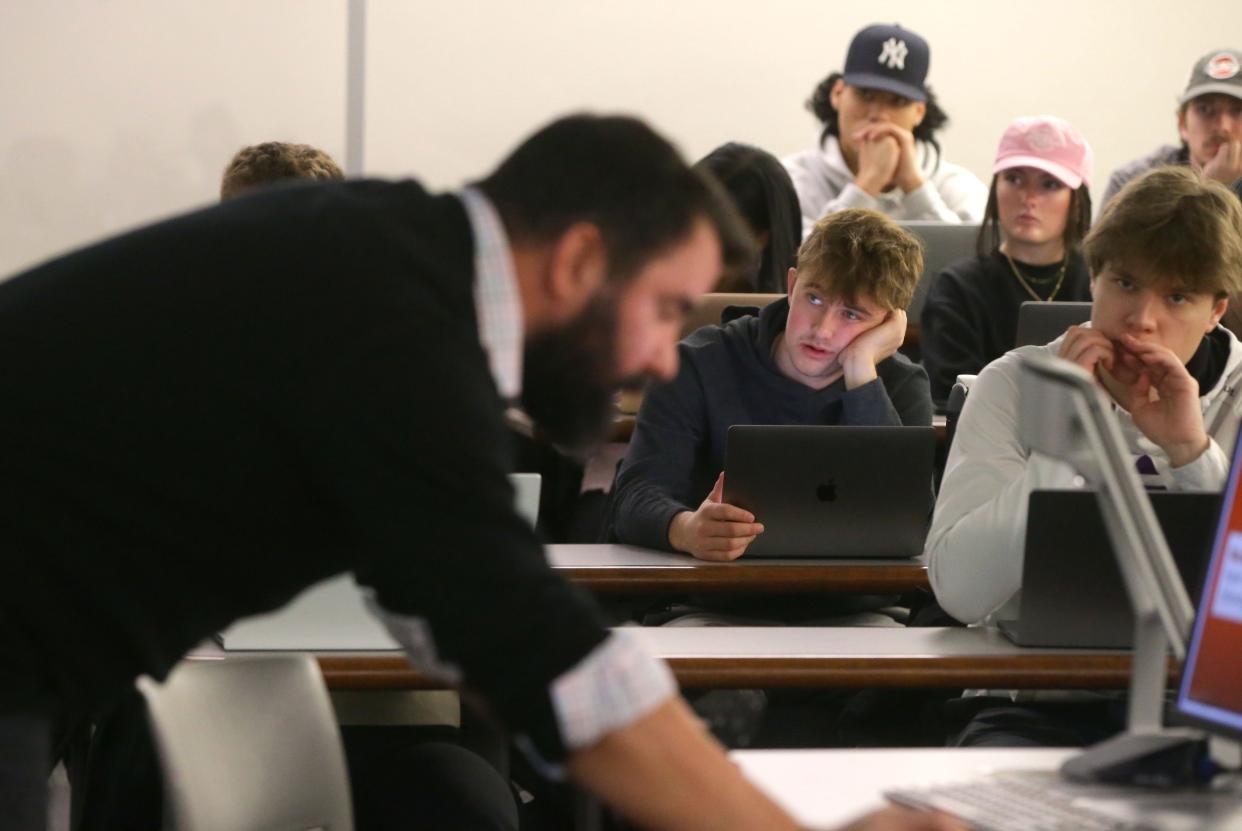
x=1209, y=697
x=332, y=615
x=1040, y=323
x=832, y=492
x=1072, y=592
x=944, y=243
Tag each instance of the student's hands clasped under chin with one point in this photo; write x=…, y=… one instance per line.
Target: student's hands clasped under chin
x=887, y=156
x=860, y=358
x=716, y=531
x=1149, y=382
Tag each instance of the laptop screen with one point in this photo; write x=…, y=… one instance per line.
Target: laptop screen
x=1211, y=686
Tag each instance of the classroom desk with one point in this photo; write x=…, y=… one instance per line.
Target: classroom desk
x=629, y=570
x=808, y=657
x=826, y=788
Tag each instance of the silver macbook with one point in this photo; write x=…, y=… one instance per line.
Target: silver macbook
x=833, y=492
x=333, y=615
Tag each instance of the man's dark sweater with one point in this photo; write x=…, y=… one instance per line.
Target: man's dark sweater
x=971, y=315
x=727, y=377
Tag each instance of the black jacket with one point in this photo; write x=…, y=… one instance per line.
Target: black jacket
x=207, y=415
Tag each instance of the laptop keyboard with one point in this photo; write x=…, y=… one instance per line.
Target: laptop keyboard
x=1013, y=802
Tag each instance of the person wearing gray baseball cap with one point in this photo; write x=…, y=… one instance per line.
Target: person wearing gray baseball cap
x=877, y=148
x=1209, y=121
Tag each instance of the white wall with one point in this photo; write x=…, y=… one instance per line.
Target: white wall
x=113, y=112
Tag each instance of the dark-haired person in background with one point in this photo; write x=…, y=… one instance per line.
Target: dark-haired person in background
x=326, y=376
x=260, y=165
x=764, y=195
x=1209, y=123
x=878, y=145
x=1039, y=210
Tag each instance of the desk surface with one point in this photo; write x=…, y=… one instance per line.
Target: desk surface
x=809, y=657
x=825, y=788
x=624, y=569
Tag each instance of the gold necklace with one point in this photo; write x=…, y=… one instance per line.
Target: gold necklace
x=1027, y=286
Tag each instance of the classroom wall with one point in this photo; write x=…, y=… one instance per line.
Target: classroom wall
x=115, y=112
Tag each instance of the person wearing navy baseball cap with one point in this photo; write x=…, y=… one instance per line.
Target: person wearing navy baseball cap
x=1209, y=123
x=877, y=148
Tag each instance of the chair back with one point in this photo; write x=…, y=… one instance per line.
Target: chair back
x=710, y=307
x=249, y=744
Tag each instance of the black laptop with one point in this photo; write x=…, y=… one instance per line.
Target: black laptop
x=1040, y=323
x=833, y=492
x=1072, y=591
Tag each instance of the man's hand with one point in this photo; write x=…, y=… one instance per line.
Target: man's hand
x=859, y=359
x=716, y=531
x=906, y=174
x=904, y=819
x=1087, y=348
x=1163, y=398
x=878, y=158
x=1226, y=165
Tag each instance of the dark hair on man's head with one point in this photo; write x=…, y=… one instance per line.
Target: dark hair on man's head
x=274, y=161
x=764, y=194
x=618, y=174
x=820, y=103
x=1077, y=222
x=1178, y=225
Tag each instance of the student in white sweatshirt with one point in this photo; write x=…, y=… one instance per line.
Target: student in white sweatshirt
x=878, y=145
x=1164, y=257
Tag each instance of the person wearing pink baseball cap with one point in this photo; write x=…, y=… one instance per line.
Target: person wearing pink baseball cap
x=1209, y=124
x=1038, y=211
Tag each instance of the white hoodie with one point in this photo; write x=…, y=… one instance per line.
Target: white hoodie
x=825, y=185
x=975, y=545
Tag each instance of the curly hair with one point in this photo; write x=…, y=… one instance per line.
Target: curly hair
x=273, y=161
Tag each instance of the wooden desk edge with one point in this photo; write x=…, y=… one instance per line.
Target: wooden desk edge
x=383, y=671
x=785, y=579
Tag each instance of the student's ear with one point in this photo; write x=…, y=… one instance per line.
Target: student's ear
x=1218, y=311
x=790, y=279
x=920, y=112
x=1091, y=286
x=577, y=267
x=1181, y=122
x=834, y=94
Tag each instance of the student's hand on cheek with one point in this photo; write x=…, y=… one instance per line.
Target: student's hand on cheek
x=1172, y=416
x=716, y=531
x=859, y=359
x=878, y=157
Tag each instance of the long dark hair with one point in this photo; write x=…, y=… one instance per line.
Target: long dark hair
x=820, y=103
x=765, y=196
x=1077, y=222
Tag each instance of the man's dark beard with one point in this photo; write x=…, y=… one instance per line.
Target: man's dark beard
x=569, y=378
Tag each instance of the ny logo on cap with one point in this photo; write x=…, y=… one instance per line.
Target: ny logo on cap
x=893, y=53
